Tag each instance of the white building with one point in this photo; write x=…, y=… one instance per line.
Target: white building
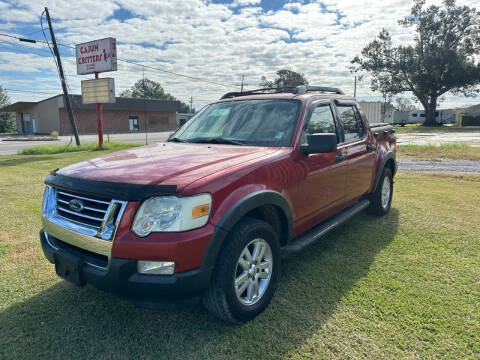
x=446, y=116
x=372, y=110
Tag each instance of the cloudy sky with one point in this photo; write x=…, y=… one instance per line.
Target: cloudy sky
x=215, y=40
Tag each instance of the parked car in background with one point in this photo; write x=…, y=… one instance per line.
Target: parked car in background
x=252, y=177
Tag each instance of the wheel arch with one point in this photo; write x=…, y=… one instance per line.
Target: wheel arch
x=264, y=205
x=389, y=159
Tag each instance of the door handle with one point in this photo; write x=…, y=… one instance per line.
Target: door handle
x=370, y=147
x=339, y=158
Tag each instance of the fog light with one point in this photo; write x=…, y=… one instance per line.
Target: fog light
x=156, y=267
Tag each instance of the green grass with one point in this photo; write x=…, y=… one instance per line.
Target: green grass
x=454, y=150
x=402, y=286
x=416, y=128
x=57, y=149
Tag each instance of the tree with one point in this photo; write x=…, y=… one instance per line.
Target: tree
x=7, y=119
x=284, y=78
x=404, y=104
x=443, y=57
x=149, y=89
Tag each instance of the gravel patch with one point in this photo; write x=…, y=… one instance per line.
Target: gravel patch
x=445, y=165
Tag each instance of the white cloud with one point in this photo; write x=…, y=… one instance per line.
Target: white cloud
x=207, y=40
x=246, y=2
x=15, y=62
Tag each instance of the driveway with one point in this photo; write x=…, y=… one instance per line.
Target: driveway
x=12, y=147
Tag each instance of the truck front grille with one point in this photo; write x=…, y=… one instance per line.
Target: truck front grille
x=95, y=213
x=92, y=213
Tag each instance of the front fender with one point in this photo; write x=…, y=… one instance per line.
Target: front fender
x=238, y=211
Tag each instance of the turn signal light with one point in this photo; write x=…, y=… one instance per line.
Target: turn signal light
x=200, y=210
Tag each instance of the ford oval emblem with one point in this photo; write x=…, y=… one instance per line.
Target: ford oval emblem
x=76, y=205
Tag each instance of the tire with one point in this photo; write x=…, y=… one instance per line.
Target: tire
x=381, y=199
x=223, y=298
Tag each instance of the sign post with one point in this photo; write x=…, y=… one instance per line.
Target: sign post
x=95, y=57
x=100, y=121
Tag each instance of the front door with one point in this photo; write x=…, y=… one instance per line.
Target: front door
x=26, y=123
x=321, y=192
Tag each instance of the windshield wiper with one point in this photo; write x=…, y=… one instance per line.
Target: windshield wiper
x=176, y=139
x=216, y=140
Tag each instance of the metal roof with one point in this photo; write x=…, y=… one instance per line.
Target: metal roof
x=122, y=103
x=128, y=104
x=20, y=105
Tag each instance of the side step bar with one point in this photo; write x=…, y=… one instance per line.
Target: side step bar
x=312, y=235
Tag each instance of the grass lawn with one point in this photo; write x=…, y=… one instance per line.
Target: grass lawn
x=60, y=148
x=416, y=128
x=457, y=150
x=402, y=286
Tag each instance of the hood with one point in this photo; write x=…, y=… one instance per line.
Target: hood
x=165, y=163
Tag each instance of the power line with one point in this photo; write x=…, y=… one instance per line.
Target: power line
x=32, y=91
x=130, y=62
x=33, y=32
x=45, y=36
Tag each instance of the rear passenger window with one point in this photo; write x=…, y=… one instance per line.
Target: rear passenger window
x=351, y=122
x=321, y=121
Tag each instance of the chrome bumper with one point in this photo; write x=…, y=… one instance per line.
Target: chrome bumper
x=86, y=242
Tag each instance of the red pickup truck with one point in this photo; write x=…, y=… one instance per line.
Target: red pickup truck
x=251, y=178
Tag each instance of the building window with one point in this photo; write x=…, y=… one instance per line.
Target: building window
x=133, y=123
x=414, y=115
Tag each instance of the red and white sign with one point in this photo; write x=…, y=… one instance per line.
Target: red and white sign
x=97, y=56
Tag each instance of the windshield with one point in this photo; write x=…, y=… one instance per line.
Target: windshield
x=246, y=122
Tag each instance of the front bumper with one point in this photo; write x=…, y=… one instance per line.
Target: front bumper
x=119, y=276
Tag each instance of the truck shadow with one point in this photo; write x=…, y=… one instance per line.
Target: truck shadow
x=87, y=323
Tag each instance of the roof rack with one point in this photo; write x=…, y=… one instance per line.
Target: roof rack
x=302, y=89
x=298, y=90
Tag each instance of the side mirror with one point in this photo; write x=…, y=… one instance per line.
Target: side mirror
x=320, y=143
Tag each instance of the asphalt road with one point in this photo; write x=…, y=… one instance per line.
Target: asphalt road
x=12, y=147
x=472, y=138
x=404, y=164
x=458, y=166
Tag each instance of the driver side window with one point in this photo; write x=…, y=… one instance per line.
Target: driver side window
x=321, y=122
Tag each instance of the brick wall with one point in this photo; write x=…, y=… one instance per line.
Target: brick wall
x=116, y=121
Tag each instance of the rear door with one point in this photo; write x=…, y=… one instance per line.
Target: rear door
x=322, y=190
x=359, y=149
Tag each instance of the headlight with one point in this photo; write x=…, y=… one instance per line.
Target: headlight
x=171, y=214
x=48, y=205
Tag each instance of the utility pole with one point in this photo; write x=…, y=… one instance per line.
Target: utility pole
x=62, y=79
x=145, y=106
x=100, y=121
x=191, y=103
x=243, y=77
x=355, y=88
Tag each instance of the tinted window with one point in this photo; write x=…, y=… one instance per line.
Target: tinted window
x=251, y=122
x=321, y=121
x=351, y=122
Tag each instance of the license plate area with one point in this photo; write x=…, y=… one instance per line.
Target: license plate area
x=69, y=268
